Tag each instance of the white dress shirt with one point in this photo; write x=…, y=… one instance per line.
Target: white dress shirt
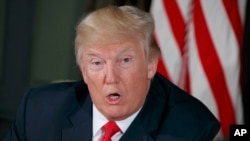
x=99, y=120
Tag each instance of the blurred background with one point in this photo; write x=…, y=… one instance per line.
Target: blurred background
x=37, y=47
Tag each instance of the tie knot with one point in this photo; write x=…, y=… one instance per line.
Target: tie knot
x=110, y=128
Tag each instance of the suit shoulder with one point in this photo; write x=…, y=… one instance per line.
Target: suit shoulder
x=184, y=110
x=56, y=86
x=54, y=89
x=59, y=98
x=175, y=95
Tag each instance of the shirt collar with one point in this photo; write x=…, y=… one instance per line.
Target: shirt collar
x=99, y=120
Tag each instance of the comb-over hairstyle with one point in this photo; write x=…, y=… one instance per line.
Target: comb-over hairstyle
x=114, y=23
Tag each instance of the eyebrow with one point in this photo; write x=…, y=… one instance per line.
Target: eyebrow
x=126, y=49
x=93, y=54
x=120, y=51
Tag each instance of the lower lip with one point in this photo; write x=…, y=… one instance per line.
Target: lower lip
x=113, y=101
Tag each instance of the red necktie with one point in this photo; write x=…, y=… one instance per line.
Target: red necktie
x=110, y=128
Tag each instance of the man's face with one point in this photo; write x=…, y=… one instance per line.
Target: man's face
x=118, y=76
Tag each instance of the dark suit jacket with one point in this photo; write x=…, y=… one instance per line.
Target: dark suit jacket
x=63, y=112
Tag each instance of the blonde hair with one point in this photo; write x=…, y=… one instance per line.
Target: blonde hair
x=124, y=21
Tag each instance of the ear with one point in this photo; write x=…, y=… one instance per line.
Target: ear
x=152, y=67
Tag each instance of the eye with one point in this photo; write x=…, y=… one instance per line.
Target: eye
x=126, y=60
x=96, y=64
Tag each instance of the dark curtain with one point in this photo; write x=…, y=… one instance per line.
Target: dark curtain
x=246, y=66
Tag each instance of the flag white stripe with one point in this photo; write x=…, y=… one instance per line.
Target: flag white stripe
x=184, y=7
x=226, y=46
x=200, y=87
x=169, y=48
x=242, y=10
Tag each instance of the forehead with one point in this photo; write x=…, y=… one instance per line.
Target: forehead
x=119, y=46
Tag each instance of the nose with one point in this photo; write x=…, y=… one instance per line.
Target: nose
x=111, y=74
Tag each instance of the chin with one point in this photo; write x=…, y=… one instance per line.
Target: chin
x=115, y=115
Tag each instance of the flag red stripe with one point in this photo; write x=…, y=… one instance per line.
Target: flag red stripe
x=178, y=26
x=232, y=10
x=176, y=21
x=213, y=69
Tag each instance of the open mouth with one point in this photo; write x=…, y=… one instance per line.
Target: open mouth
x=113, y=98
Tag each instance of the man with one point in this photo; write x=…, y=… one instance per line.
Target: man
x=118, y=59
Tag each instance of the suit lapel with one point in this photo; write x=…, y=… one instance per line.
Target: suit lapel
x=135, y=132
x=81, y=119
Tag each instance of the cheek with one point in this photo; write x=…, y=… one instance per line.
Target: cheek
x=137, y=85
x=136, y=99
x=97, y=99
x=84, y=74
x=89, y=75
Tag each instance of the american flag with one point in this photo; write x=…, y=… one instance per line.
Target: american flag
x=201, y=44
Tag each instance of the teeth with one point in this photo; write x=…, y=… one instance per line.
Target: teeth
x=114, y=96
